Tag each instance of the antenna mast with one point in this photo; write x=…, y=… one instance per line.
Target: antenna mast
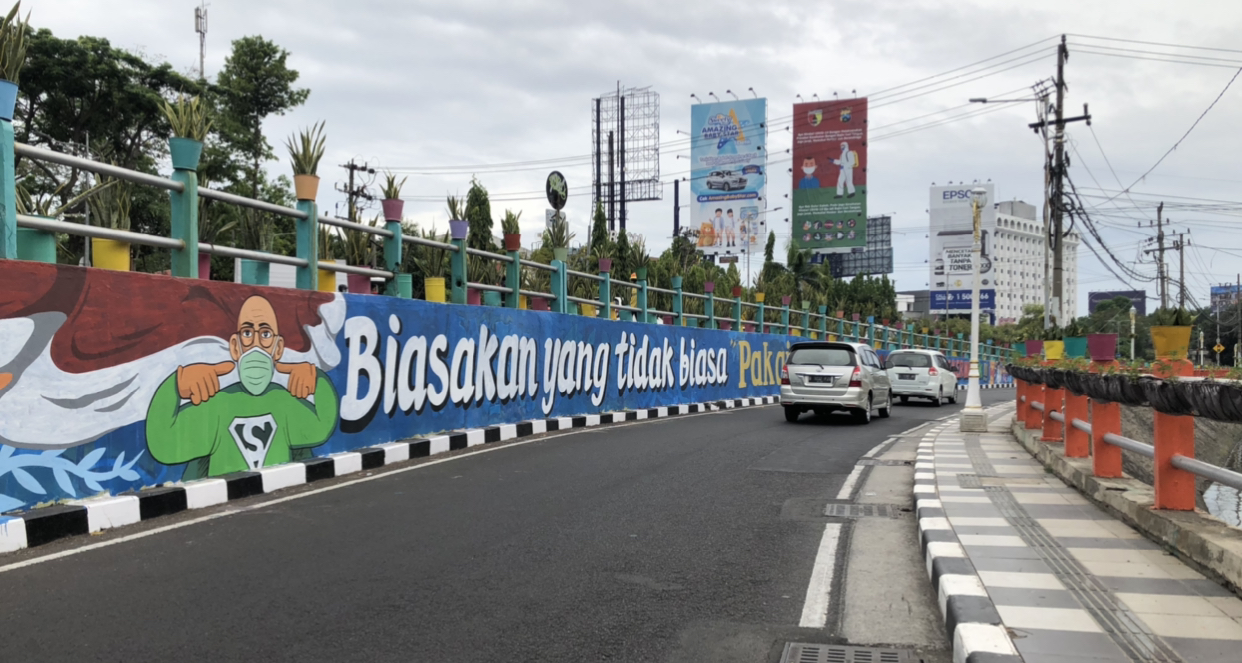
x=200, y=26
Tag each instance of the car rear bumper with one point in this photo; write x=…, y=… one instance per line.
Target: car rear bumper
x=853, y=398
x=928, y=389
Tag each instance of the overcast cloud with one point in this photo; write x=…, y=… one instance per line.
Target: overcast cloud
x=415, y=84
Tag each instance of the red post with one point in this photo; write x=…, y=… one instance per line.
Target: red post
x=1077, y=443
x=1034, y=393
x=1105, y=458
x=1174, y=435
x=1054, y=399
x=1021, y=389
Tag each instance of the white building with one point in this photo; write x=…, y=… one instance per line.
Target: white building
x=1011, y=273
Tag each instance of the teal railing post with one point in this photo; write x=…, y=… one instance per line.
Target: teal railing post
x=762, y=317
x=785, y=314
x=643, y=315
x=678, y=319
x=184, y=222
x=457, y=269
x=823, y=323
x=605, y=293
x=710, y=308
x=806, y=319
x=559, y=281
x=840, y=328
x=960, y=344
x=871, y=330
x=737, y=308
x=308, y=245
x=8, y=193
x=393, y=247
x=513, y=279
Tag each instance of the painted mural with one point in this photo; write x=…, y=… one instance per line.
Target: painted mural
x=113, y=381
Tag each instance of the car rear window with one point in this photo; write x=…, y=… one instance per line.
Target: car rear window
x=909, y=360
x=822, y=357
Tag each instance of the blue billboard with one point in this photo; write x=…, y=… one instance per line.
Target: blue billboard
x=959, y=300
x=728, y=175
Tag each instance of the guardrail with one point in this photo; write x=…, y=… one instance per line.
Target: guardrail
x=1094, y=431
x=687, y=308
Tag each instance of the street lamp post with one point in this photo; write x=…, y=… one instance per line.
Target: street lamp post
x=973, y=420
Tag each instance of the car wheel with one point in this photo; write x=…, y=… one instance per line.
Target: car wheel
x=953, y=398
x=888, y=407
x=905, y=400
x=791, y=414
x=940, y=397
x=864, y=416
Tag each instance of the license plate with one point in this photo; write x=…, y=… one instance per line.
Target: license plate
x=819, y=379
x=905, y=376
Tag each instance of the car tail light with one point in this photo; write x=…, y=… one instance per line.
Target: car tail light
x=784, y=375
x=856, y=378
x=932, y=371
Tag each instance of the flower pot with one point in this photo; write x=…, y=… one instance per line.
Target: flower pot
x=725, y=325
x=513, y=242
x=393, y=208
x=676, y=282
x=36, y=245
x=359, y=284
x=433, y=289
x=522, y=303
x=795, y=331
x=255, y=272
x=560, y=254
x=587, y=310
x=538, y=303
x=1020, y=348
x=748, y=326
x=1171, y=343
x=737, y=291
x=110, y=254
x=786, y=299
x=1034, y=348
x=204, y=266
x=605, y=265
x=8, y=99
x=491, y=298
x=306, y=187
x=404, y=286
x=458, y=228
x=185, y=152
x=709, y=286
x=474, y=296
x=1075, y=347
x=327, y=280
x=856, y=316
x=1102, y=347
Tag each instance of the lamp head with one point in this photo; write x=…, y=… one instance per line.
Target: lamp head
x=979, y=195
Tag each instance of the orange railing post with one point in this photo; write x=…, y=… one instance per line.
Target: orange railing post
x=1054, y=399
x=1077, y=443
x=1033, y=393
x=1174, y=435
x=1105, y=458
x=1021, y=400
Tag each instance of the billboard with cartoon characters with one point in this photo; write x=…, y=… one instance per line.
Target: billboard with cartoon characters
x=728, y=176
x=830, y=176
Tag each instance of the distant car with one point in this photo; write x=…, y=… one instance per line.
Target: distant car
x=726, y=180
x=828, y=376
x=921, y=374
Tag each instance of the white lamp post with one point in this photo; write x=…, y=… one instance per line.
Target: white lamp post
x=973, y=420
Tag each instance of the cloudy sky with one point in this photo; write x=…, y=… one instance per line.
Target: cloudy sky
x=430, y=87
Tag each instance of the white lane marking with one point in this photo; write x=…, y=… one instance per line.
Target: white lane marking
x=215, y=489
x=819, y=590
x=876, y=448
x=847, y=488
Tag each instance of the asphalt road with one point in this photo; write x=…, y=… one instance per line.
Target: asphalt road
x=651, y=541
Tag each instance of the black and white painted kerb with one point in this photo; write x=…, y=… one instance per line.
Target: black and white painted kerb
x=971, y=619
x=40, y=526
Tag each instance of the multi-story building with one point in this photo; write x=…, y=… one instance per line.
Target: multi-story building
x=1012, y=265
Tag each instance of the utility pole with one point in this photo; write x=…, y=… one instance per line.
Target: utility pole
x=1180, y=244
x=1238, y=344
x=353, y=193
x=1164, y=275
x=612, y=187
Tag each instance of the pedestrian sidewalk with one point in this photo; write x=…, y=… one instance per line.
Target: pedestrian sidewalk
x=1023, y=564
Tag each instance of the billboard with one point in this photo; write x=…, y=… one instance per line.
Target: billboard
x=830, y=176
x=951, y=235
x=1224, y=297
x=728, y=176
x=1138, y=299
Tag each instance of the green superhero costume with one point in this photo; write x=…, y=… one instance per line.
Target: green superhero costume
x=234, y=431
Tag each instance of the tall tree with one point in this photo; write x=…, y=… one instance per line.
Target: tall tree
x=479, y=214
x=599, y=229
x=255, y=83
x=769, y=249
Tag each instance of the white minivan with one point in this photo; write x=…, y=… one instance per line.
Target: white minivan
x=921, y=374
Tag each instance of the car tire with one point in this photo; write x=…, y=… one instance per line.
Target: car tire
x=885, y=411
x=940, y=397
x=905, y=400
x=791, y=414
x=953, y=398
x=864, y=416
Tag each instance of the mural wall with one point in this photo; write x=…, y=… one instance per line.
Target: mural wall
x=111, y=381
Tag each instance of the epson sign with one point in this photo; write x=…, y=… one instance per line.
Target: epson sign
x=956, y=195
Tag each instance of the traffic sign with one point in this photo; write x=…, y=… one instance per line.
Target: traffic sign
x=1219, y=348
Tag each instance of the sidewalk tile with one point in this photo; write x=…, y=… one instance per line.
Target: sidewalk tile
x=1140, y=570
x=1055, y=619
x=1232, y=607
x=1011, y=552
x=1161, y=604
x=991, y=540
x=1096, y=529
x=1033, y=598
x=1193, y=626
x=1010, y=565
x=1013, y=580
x=1204, y=651
x=967, y=521
x=1044, y=645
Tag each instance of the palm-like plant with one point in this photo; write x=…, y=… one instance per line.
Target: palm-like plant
x=110, y=206
x=13, y=42
x=306, y=152
x=48, y=206
x=392, y=186
x=359, y=248
x=431, y=260
x=456, y=207
x=188, y=118
x=557, y=235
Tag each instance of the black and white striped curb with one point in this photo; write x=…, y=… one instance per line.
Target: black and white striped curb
x=48, y=524
x=962, y=387
x=971, y=619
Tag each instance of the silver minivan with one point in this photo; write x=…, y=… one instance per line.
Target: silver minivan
x=921, y=374
x=828, y=376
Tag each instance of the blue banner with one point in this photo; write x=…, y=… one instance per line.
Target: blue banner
x=959, y=300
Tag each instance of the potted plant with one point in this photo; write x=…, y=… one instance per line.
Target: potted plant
x=459, y=227
x=110, y=208
x=360, y=252
x=304, y=155
x=1074, y=337
x=190, y=124
x=512, y=230
x=328, y=251
x=1054, y=347
x=40, y=245
x=557, y=237
x=392, y=204
x=1170, y=333
x=603, y=256
x=1102, y=347
x=13, y=42
x=431, y=262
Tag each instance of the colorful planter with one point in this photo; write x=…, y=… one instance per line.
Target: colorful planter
x=306, y=187
x=405, y=286
x=433, y=289
x=474, y=296
x=204, y=266
x=1102, y=347
x=1054, y=350
x=36, y=245
x=359, y=284
x=1034, y=348
x=605, y=265
x=8, y=99
x=327, y=281
x=255, y=272
x=1171, y=343
x=491, y=298
x=675, y=281
x=458, y=229
x=393, y=207
x=538, y=303
x=185, y=152
x=513, y=242
x=587, y=310
x=1075, y=347
x=110, y=254
x=560, y=254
